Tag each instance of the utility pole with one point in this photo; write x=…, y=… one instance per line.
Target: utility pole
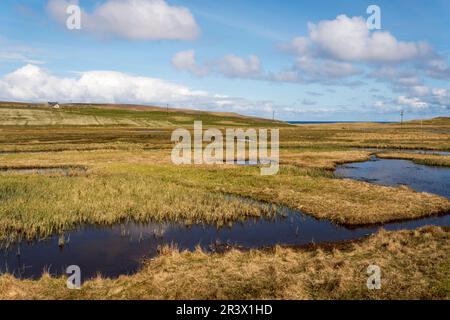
x=167, y=109
x=401, y=118
x=273, y=115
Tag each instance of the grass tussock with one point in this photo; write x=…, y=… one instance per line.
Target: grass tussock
x=414, y=265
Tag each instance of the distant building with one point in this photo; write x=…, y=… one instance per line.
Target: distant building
x=54, y=105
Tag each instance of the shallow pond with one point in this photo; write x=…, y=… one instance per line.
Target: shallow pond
x=113, y=251
x=394, y=172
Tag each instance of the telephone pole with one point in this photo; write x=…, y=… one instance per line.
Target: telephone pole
x=273, y=115
x=401, y=118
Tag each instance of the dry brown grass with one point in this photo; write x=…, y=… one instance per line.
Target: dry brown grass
x=434, y=135
x=420, y=158
x=142, y=185
x=130, y=176
x=322, y=159
x=350, y=202
x=414, y=265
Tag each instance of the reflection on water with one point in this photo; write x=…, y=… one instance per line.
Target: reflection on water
x=117, y=250
x=393, y=172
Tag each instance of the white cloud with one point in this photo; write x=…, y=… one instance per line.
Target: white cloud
x=437, y=67
x=34, y=84
x=418, y=99
x=318, y=69
x=398, y=76
x=132, y=19
x=12, y=51
x=333, y=51
x=414, y=103
x=231, y=66
x=438, y=96
x=301, y=46
x=186, y=61
x=349, y=39
x=285, y=76
x=235, y=66
x=345, y=47
x=420, y=90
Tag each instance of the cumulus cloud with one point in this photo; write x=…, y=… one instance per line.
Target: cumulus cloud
x=32, y=83
x=132, y=19
x=186, y=61
x=414, y=103
x=231, y=66
x=345, y=47
x=418, y=99
x=437, y=68
x=400, y=77
x=318, y=69
x=334, y=52
x=284, y=76
x=235, y=66
x=349, y=39
x=433, y=96
x=441, y=96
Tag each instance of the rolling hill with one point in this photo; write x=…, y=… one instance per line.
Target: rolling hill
x=30, y=114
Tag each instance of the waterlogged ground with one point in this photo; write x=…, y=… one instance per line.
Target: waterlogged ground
x=119, y=250
x=129, y=177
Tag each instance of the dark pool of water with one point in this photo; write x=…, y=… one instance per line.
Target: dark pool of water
x=113, y=251
x=393, y=172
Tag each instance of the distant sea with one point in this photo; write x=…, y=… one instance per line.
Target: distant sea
x=324, y=122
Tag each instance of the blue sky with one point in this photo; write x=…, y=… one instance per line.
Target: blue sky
x=311, y=60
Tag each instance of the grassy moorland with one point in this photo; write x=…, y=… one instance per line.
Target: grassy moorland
x=143, y=185
x=415, y=265
x=118, y=115
x=124, y=153
x=127, y=165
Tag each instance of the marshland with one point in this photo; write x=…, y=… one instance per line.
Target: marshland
x=91, y=169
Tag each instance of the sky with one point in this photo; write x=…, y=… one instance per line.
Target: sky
x=295, y=60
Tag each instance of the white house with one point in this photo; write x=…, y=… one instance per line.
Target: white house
x=54, y=105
